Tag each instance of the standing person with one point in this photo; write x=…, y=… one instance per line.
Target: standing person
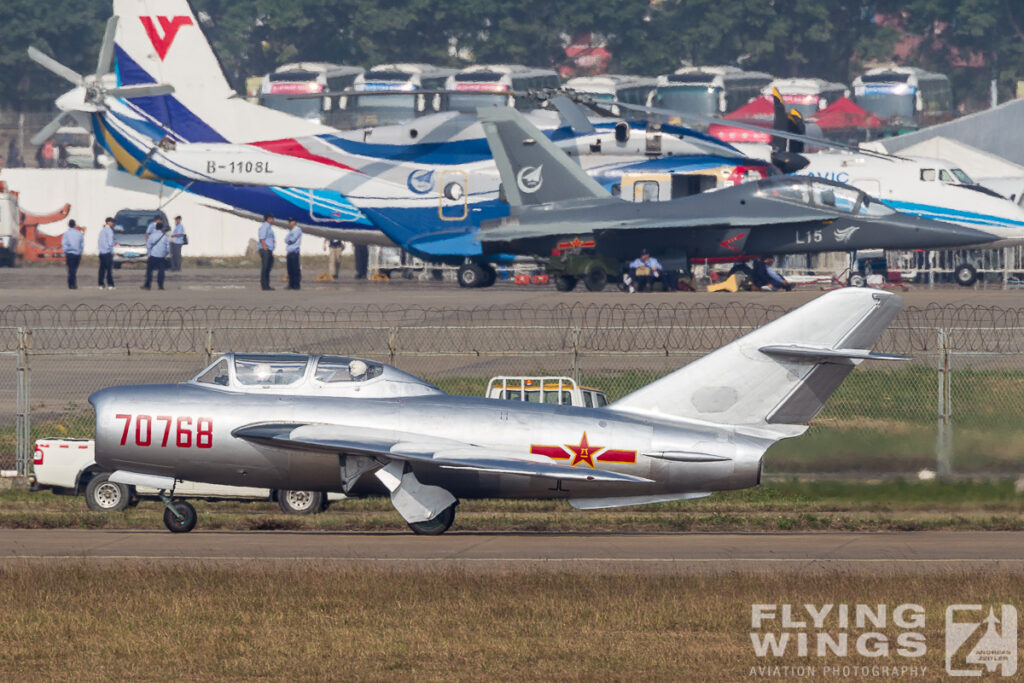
x=72, y=244
x=46, y=154
x=157, y=224
x=106, y=249
x=158, y=246
x=334, y=250
x=266, y=237
x=292, y=241
x=178, y=240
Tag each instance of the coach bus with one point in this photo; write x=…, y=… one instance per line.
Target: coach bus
x=483, y=85
x=607, y=87
x=279, y=88
x=807, y=95
x=708, y=90
x=387, y=93
x=905, y=97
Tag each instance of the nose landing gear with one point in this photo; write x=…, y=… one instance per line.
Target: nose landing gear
x=179, y=517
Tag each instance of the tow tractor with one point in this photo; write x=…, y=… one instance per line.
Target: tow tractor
x=20, y=237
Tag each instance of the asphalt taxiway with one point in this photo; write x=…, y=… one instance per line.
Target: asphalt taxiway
x=876, y=553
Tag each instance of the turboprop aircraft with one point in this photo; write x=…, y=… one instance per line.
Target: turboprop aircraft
x=334, y=423
x=207, y=140
x=558, y=211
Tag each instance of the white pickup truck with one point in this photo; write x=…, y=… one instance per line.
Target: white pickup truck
x=68, y=466
x=561, y=391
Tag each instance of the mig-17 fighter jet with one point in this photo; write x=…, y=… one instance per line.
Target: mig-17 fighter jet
x=334, y=423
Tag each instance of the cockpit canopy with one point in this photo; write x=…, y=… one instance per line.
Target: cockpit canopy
x=313, y=375
x=822, y=194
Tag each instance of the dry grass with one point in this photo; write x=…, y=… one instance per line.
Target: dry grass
x=87, y=622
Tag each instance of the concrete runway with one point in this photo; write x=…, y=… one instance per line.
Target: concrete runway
x=44, y=285
x=874, y=553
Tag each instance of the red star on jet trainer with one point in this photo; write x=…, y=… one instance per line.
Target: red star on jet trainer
x=583, y=452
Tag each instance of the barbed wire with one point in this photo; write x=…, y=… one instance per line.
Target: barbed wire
x=613, y=328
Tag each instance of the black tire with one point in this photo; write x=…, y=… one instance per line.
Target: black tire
x=858, y=280
x=595, y=279
x=471, y=275
x=490, y=276
x=106, y=496
x=565, y=283
x=965, y=275
x=117, y=265
x=184, y=525
x=301, y=502
x=436, y=526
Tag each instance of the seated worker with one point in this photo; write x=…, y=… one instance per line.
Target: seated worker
x=644, y=272
x=764, y=275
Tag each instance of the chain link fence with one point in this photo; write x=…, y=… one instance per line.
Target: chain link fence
x=956, y=407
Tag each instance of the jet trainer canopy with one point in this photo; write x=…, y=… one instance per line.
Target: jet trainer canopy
x=310, y=375
x=821, y=193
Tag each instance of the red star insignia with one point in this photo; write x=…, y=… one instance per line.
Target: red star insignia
x=583, y=452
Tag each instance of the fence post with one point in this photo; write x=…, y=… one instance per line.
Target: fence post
x=209, y=345
x=944, y=435
x=576, y=354
x=23, y=426
x=392, y=344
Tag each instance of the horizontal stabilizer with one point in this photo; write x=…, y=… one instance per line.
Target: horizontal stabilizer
x=814, y=354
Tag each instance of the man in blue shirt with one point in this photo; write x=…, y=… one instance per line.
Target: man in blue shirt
x=764, y=275
x=644, y=272
x=106, y=249
x=292, y=241
x=177, y=242
x=158, y=246
x=72, y=244
x=154, y=225
x=266, y=238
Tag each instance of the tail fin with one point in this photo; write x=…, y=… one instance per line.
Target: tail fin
x=161, y=41
x=780, y=375
x=533, y=170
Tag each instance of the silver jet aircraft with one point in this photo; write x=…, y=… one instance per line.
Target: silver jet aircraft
x=334, y=423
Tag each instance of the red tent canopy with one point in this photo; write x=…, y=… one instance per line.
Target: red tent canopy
x=759, y=112
x=843, y=113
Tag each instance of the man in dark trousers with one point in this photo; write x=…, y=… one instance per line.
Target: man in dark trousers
x=266, y=238
x=106, y=249
x=292, y=242
x=159, y=247
x=72, y=244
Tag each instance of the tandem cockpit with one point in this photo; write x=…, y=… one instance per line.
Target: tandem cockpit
x=821, y=193
x=310, y=375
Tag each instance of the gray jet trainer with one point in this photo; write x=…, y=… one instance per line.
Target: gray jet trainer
x=334, y=423
x=558, y=211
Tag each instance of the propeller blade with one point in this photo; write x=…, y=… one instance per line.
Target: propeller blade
x=52, y=65
x=795, y=124
x=573, y=113
x=779, y=121
x=106, y=58
x=130, y=91
x=48, y=130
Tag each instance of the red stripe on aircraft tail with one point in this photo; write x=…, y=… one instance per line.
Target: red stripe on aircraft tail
x=292, y=148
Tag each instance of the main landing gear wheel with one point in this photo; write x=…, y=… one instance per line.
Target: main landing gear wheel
x=180, y=517
x=436, y=526
x=966, y=275
x=472, y=275
x=565, y=283
x=300, y=502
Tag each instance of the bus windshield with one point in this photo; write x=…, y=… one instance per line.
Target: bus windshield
x=469, y=101
x=886, y=104
x=304, y=108
x=694, y=99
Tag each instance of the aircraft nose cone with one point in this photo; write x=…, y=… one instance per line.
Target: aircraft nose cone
x=932, y=234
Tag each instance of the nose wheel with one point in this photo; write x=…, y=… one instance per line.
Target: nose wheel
x=179, y=517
